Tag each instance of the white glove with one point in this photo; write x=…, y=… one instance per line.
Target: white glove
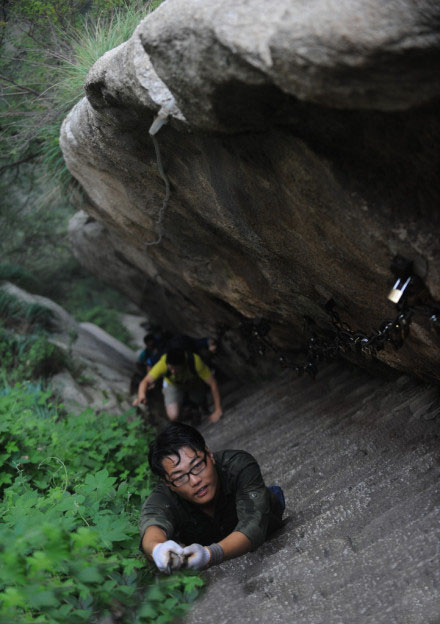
x=197, y=557
x=168, y=556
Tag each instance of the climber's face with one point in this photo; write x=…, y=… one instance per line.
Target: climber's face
x=192, y=475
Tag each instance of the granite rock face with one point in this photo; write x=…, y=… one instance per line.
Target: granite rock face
x=302, y=154
x=358, y=460
x=353, y=54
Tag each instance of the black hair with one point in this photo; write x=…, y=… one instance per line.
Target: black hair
x=170, y=442
x=176, y=357
x=149, y=338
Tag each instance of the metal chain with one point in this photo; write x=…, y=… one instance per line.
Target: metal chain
x=338, y=339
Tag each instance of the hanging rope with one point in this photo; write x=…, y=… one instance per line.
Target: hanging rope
x=163, y=175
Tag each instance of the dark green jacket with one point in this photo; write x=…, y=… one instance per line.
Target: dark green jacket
x=244, y=504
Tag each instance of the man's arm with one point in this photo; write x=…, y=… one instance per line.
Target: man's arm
x=166, y=554
x=198, y=557
x=235, y=544
x=157, y=371
x=153, y=536
x=156, y=524
x=146, y=382
x=218, y=413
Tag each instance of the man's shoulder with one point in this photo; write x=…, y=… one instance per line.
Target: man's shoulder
x=233, y=460
x=161, y=495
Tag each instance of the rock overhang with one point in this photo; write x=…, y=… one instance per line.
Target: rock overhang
x=282, y=187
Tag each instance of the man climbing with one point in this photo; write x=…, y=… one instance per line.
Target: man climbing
x=152, y=352
x=185, y=375
x=215, y=504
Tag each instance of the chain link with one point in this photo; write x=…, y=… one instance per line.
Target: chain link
x=339, y=338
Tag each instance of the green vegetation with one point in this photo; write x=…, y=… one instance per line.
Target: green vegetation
x=72, y=488
x=47, y=48
x=71, y=485
x=28, y=316
x=29, y=357
x=25, y=352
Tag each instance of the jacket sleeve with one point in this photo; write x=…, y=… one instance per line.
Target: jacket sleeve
x=157, y=511
x=252, y=500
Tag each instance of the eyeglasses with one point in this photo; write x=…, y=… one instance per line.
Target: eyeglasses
x=195, y=470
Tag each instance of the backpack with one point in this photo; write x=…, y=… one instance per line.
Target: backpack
x=180, y=341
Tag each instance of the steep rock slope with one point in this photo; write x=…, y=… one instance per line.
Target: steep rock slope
x=302, y=154
x=358, y=459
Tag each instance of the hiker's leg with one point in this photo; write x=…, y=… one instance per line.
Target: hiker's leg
x=173, y=399
x=278, y=504
x=173, y=411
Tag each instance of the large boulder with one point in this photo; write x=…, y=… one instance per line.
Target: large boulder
x=302, y=154
x=246, y=55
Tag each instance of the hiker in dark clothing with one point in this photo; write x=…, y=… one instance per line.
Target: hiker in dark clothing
x=206, y=347
x=146, y=360
x=152, y=352
x=215, y=504
x=185, y=375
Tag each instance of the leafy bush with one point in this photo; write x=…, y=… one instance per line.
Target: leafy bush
x=86, y=442
x=72, y=490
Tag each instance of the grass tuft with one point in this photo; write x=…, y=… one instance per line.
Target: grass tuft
x=29, y=357
x=27, y=316
x=18, y=275
x=83, y=46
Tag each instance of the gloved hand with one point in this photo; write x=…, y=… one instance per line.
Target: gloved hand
x=168, y=556
x=197, y=556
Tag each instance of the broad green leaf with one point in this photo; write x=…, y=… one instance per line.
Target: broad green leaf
x=164, y=618
x=40, y=598
x=39, y=561
x=85, y=537
x=12, y=597
x=91, y=574
x=148, y=610
x=84, y=614
x=113, y=529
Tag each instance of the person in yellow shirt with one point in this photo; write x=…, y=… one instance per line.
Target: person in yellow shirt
x=184, y=375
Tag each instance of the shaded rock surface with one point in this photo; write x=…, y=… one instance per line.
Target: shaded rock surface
x=103, y=365
x=302, y=153
x=358, y=460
